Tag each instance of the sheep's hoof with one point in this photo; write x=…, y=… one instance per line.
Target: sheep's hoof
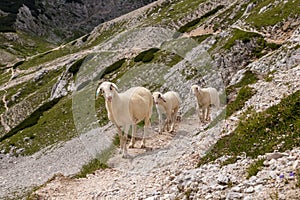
x=143, y=146
x=125, y=155
x=131, y=145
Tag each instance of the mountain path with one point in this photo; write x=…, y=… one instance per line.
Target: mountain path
x=126, y=178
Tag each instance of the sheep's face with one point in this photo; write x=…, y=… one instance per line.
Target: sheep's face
x=195, y=89
x=107, y=89
x=158, y=98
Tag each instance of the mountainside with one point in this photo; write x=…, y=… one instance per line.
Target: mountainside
x=51, y=123
x=61, y=20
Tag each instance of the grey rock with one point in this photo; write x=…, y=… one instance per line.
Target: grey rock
x=223, y=179
x=249, y=189
x=236, y=189
x=234, y=195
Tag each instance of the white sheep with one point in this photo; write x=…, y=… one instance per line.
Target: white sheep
x=205, y=98
x=167, y=103
x=127, y=108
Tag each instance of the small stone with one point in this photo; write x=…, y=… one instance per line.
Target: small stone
x=275, y=155
x=236, y=189
x=223, y=180
x=249, y=189
x=26, y=139
x=234, y=195
x=208, y=196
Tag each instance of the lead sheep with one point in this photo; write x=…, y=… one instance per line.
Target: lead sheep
x=127, y=108
x=167, y=103
x=205, y=98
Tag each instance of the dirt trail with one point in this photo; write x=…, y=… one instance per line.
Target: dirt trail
x=126, y=178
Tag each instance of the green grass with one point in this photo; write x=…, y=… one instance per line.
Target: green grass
x=277, y=128
x=90, y=168
x=237, y=34
x=46, y=57
x=31, y=120
x=74, y=68
x=272, y=15
x=192, y=24
x=179, y=11
x=146, y=56
x=255, y=167
x=25, y=45
x=50, y=127
x=225, y=19
x=201, y=38
x=33, y=87
x=244, y=94
x=248, y=78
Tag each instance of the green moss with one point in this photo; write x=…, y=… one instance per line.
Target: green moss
x=277, y=128
x=255, y=167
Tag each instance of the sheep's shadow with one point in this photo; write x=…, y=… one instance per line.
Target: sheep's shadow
x=155, y=155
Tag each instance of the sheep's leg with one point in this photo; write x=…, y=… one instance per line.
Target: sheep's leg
x=160, y=119
x=132, y=142
x=146, y=131
x=165, y=124
x=208, y=114
x=173, y=119
x=203, y=114
x=124, y=140
x=120, y=135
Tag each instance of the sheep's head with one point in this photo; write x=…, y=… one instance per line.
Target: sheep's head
x=107, y=89
x=158, y=98
x=195, y=89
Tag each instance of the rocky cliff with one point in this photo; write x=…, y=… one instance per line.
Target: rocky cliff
x=61, y=20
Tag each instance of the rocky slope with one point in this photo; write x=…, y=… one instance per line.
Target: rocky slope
x=211, y=43
x=61, y=20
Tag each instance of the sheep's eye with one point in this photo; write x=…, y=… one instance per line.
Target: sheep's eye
x=111, y=87
x=101, y=91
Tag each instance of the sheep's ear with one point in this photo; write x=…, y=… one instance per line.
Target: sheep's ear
x=161, y=97
x=113, y=86
x=98, y=91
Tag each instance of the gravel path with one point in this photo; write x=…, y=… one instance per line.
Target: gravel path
x=126, y=178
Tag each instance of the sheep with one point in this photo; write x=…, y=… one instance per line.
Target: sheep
x=127, y=108
x=205, y=98
x=167, y=103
